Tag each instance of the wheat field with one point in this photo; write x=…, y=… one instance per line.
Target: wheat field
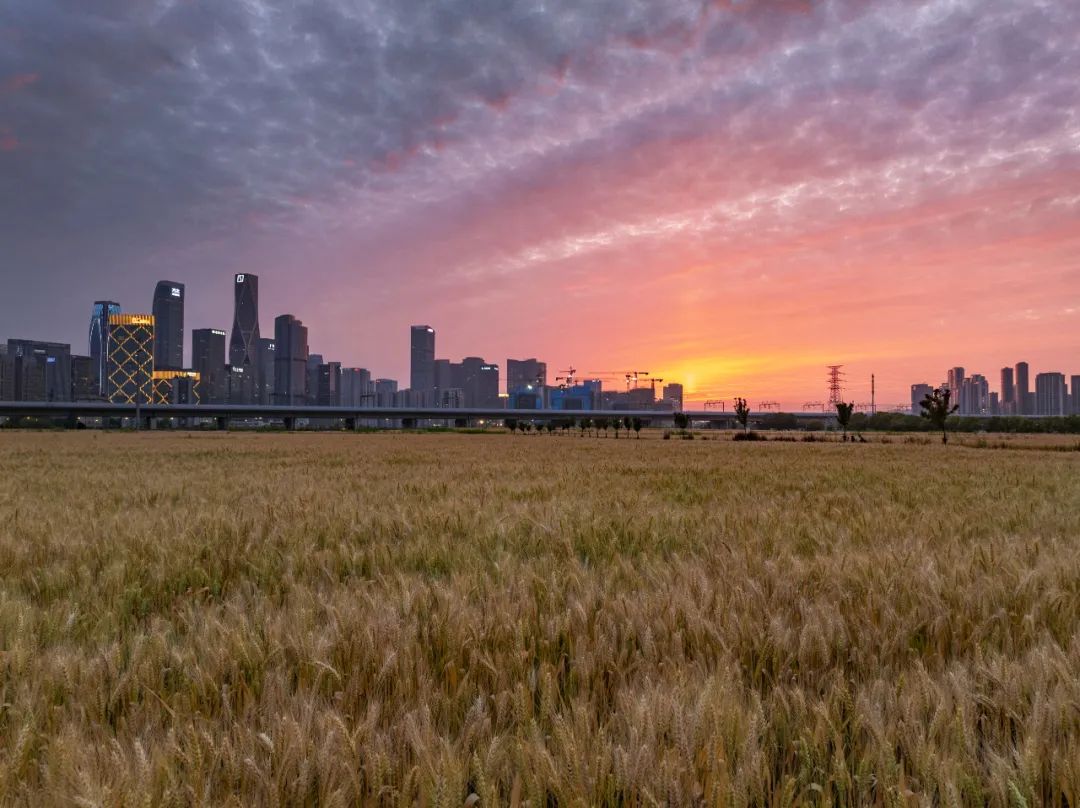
x=447, y=620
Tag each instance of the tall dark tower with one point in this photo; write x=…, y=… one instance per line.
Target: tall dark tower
x=422, y=365
x=99, y=341
x=245, y=330
x=169, y=326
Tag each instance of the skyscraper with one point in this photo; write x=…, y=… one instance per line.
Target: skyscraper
x=955, y=383
x=311, y=386
x=328, y=393
x=1050, y=394
x=1024, y=403
x=130, y=367
x=99, y=339
x=169, y=326
x=422, y=359
x=479, y=380
x=290, y=360
x=1008, y=392
x=1075, y=397
x=245, y=331
x=208, y=360
x=264, y=370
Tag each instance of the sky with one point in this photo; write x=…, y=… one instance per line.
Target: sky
x=729, y=193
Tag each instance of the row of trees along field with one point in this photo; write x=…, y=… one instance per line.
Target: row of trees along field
x=938, y=415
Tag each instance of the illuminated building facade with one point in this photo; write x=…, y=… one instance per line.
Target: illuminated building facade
x=176, y=387
x=130, y=368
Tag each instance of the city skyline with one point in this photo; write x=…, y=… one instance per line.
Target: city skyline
x=734, y=195
x=315, y=379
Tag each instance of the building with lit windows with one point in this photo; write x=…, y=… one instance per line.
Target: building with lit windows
x=176, y=387
x=130, y=368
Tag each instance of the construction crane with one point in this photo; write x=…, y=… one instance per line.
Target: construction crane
x=631, y=376
x=568, y=378
x=814, y=406
x=769, y=405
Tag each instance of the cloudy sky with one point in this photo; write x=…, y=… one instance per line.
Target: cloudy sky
x=734, y=193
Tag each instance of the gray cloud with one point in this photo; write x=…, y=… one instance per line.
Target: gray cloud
x=132, y=131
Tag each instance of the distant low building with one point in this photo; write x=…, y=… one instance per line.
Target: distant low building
x=37, y=371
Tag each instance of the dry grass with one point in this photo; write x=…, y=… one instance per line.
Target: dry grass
x=402, y=619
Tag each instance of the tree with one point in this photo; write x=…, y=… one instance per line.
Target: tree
x=627, y=423
x=511, y=424
x=550, y=426
x=936, y=408
x=584, y=423
x=682, y=420
x=617, y=424
x=637, y=424
x=742, y=413
x=843, y=415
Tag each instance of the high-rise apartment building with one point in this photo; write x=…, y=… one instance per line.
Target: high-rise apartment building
x=245, y=331
x=290, y=361
x=328, y=392
x=385, y=392
x=525, y=374
x=208, y=360
x=975, y=395
x=130, y=368
x=265, y=356
x=99, y=339
x=673, y=396
x=357, y=389
x=955, y=382
x=311, y=386
x=1008, y=392
x=1074, y=409
x=169, y=326
x=1050, y=394
x=37, y=371
x=1025, y=404
x=918, y=393
x=422, y=358
x=479, y=380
